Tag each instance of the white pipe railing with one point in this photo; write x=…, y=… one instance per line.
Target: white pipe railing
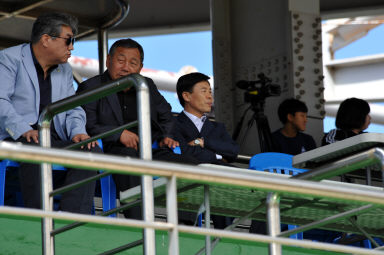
x=201, y=174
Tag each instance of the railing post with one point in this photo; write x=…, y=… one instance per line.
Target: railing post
x=143, y=113
x=173, y=247
x=48, y=247
x=273, y=220
x=207, y=219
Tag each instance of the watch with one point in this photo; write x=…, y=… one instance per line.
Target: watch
x=197, y=141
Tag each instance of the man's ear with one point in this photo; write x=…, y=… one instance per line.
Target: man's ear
x=290, y=117
x=141, y=67
x=45, y=40
x=107, y=60
x=186, y=96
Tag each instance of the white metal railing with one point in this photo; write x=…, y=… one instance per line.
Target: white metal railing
x=201, y=174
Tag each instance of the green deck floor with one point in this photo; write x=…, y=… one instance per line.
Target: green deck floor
x=21, y=235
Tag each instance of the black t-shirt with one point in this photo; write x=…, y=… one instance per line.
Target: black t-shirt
x=45, y=87
x=292, y=145
x=128, y=104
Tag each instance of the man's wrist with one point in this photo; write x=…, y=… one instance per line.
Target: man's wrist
x=199, y=142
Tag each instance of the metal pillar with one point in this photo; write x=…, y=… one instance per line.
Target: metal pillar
x=287, y=50
x=273, y=219
x=148, y=209
x=102, y=43
x=173, y=247
x=222, y=62
x=48, y=247
x=207, y=219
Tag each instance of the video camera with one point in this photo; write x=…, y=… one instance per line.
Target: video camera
x=259, y=90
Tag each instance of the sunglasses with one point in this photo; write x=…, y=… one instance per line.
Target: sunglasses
x=68, y=40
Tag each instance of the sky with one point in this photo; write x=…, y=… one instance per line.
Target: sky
x=368, y=45
x=172, y=52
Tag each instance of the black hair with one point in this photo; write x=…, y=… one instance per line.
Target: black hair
x=129, y=44
x=290, y=106
x=51, y=24
x=187, y=82
x=352, y=113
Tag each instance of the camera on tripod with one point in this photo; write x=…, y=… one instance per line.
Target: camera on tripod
x=259, y=90
x=256, y=92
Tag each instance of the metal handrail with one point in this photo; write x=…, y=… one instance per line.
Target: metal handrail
x=87, y=96
x=233, y=177
x=200, y=174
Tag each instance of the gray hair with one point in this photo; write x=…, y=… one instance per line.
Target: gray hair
x=51, y=23
x=128, y=44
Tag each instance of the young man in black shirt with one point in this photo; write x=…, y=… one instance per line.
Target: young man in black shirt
x=290, y=139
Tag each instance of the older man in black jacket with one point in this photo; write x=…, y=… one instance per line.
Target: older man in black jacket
x=126, y=57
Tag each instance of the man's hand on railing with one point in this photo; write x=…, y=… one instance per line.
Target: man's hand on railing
x=129, y=139
x=81, y=137
x=169, y=142
x=32, y=135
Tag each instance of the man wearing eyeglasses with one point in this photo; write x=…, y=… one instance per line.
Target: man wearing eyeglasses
x=33, y=76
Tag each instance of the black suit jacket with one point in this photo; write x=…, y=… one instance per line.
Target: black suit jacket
x=105, y=114
x=216, y=140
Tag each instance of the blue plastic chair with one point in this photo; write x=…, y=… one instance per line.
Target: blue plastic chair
x=108, y=190
x=274, y=162
x=108, y=187
x=280, y=163
x=4, y=165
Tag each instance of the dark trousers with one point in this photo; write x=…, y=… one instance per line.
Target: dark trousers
x=79, y=200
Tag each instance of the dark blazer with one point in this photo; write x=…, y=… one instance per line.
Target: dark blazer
x=216, y=140
x=105, y=114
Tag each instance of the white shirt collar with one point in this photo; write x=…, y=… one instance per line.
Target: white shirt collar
x=199, y=122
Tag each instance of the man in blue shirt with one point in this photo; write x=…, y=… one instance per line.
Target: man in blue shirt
x=32, y=76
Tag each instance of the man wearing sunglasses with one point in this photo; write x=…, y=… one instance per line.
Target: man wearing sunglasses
x=33, y=76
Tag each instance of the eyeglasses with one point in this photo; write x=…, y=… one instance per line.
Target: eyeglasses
x=68, y=40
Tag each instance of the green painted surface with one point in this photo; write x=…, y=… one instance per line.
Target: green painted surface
x=21, y=235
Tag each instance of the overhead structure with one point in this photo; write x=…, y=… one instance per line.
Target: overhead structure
x=146, y=17
x=359, y=76
x=17, y=16
x=342, y=32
